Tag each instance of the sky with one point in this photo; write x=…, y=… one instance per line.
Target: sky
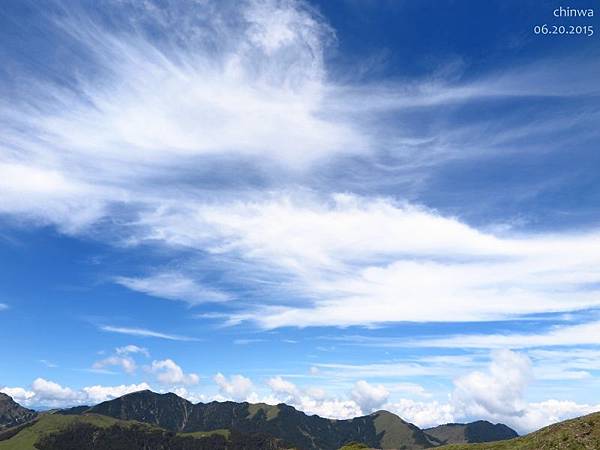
x=343, y=205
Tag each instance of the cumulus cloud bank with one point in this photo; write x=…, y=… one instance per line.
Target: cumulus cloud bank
x=236, y=387
x=48, y=393
x=369, y=397
x=497, y=393
x=169, y=373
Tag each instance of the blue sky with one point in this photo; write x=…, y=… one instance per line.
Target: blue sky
x=344, y=205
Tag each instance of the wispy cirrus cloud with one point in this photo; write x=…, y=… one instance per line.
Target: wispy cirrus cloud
x=338, y=261
x=143, y=332
x=587, y=333
x=225, y=138
x=132, y=349
x=174, y=286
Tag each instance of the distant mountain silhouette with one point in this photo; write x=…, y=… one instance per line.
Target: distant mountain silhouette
x=479, y=431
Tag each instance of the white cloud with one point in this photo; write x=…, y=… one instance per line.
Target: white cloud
x=174, y=286
x=19, y=394
x=339, y=264
x=142, y=332
x=551, y=411
x=47, y=194
x=247, y=341
x=497, y=392
x=571, y=363
x=168, y=372
x=3, y=306
x=51, y=390
x=369, y=397
x=280, y=386
x=258, y=96
x=191, y=396
x=132, y=349
x=423, y=414
x=561, y=335
x=51, y=394
x=126, y=363
x=409, y=388
x=98, y=393
x=237, y=387
x=49, y=364
x=316, y=393
x=122, y=358
x=312, y=400
x=384, y=369
x=331, y=408
x=254, y=91
x=498, y=395
x=251, y=87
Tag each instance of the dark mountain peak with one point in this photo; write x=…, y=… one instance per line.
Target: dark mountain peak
x=142, y=392
x=166, y=410
x=380, y=411
x=12, y=414
x=484, y=431
x=387, y=414
x=478, y=423
x=146, y=393
x=478, y=431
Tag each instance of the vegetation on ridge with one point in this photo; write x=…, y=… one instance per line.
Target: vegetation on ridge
x=582, y=433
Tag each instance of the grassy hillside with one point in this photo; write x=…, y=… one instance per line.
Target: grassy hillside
x=49, y=423
x=582, y=433
x=92, y=431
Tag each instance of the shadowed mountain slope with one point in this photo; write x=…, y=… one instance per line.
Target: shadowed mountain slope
x=95, y=432
x=12, y=414
x=380, y=430
x=479, y=431
x=147, y=420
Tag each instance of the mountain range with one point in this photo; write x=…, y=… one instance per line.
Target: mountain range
x=151, y=421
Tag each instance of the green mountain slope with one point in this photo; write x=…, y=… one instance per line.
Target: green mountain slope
x=146, y=420
x=96, y=432
x=380, y=430
x=46, y=424
x=582, y=433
